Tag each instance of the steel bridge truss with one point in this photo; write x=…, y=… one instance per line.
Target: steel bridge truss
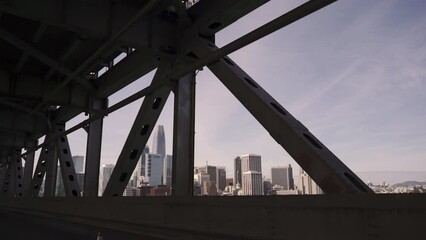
x=190, y=47
x=62, y=61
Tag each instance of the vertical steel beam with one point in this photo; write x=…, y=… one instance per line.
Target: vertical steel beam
x=69, y=176
x=320, y=163
x=28, y=171
x=183, y=137
x=39, y=173
x=93, y=156
x=51, y=170
x=141, y=130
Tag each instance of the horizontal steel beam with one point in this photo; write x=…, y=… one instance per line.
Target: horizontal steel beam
x=97, y=19
x=17, y=122
x=35, y=88
x=277, y=217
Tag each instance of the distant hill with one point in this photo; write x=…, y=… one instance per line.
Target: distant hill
x=392, y=177
x=409, y=183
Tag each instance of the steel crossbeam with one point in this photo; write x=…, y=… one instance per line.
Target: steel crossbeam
x=28, y=172
x=141, y=130
x=69, y=175
x=39, y=173
x=320, y=163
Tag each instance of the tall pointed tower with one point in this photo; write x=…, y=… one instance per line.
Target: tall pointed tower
x=159, y=141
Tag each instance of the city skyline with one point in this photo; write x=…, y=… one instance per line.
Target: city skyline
x=366, y=106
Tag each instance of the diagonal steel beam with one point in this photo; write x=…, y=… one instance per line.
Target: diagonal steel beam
x=51, y=152
x=28, y=172
x=276, y=24
x=139, y=134
x=319, y=162
x=17, y=42
x=39, y=173
x=69, y=175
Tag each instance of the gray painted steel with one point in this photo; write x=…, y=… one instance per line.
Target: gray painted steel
x=183, y=137
x=51, y=72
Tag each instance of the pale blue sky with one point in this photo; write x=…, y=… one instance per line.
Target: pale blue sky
x=354, y=73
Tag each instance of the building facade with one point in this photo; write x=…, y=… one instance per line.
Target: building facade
x=283, y=176
x=221, y=178
x=307, y=185
x=167, y=170
x=154, y=169
x=78, y=163
x=252, y=183
x=105, y=174
x=251, y=167
x=237, y=171
x=159, y=142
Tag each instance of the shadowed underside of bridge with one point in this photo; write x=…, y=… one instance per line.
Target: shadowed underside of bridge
x=62, y=58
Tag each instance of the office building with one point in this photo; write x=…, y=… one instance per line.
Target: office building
x=160, y=190
x=80, y=179
x=154, y=169
x=167, y=170
x=210, y=170
x=307, y=185
x=60, y=187
x=283, y=176
x=209, y=188
x=267, y=188
x=78, y=163
x=251, y=162
x=237, y=171
x=140, y=167
x=159, y=142
x=105, y=174
x=252, y=182
x=221, y=178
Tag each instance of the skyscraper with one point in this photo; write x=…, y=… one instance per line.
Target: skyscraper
x=210, y=170
x=154, y=169
x=78, y=163
x=252, y=182
x=307, y=185
x=237, y=171
x=159, y=142
x=167, y=170
x=140, y=167
x=106, y=171
x=221, y=178
x=283, y=176
x=251, y=162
